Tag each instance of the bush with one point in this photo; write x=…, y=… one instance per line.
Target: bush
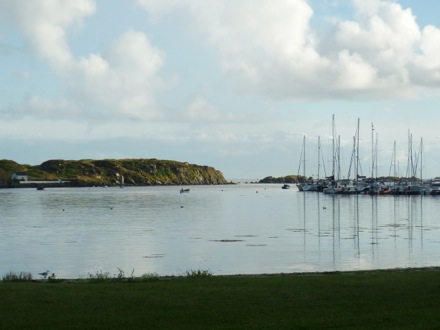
x=99, y=276
x=198, y=273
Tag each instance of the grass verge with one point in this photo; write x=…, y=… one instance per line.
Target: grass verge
x=403, y=299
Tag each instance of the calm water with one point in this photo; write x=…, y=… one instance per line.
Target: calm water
x=225, y=229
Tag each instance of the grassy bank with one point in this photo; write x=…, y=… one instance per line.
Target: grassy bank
x=403, y=299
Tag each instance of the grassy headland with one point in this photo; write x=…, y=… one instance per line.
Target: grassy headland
x=87, y=172
x=401, y=299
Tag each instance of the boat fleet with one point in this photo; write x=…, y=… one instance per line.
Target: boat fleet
x=369, y=186
x=391, y=185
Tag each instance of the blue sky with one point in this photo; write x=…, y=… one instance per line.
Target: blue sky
x=231, y=84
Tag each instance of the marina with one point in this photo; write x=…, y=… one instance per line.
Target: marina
x=354, y=182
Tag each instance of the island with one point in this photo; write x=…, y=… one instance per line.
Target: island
x=107, y=172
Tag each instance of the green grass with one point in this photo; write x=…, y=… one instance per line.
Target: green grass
x=14, y=276
x=400, y=299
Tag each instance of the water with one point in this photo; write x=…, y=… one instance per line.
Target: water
x=232, y=229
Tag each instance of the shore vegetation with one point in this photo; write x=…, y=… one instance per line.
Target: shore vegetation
x=381, y=299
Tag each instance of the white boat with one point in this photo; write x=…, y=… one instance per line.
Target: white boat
x=435, y=187
x=311, y=184
x=377, y=188
x=343, y=187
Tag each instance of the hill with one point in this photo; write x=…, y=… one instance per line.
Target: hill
x=136, y=172
x=283, y=179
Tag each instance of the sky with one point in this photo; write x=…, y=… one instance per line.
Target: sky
x=236, y=85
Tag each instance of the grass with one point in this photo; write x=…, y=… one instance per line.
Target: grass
x=399, y=299
x=14, y=277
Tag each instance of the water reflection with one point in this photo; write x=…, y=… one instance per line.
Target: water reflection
x=228, y=230
x=383, y=231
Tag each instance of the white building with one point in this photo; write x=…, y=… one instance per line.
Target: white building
x=20, y=176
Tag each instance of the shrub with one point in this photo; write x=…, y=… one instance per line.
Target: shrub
x=99, y=276
x=198, y=273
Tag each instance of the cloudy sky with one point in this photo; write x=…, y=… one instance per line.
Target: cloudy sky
x=225, y=83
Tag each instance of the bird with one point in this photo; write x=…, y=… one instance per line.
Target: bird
x=44, y=274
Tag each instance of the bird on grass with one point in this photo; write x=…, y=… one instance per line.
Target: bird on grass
x=44, y=274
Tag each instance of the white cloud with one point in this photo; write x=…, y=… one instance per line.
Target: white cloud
x=269, y=47
x=122, y=82
x=44, y=23
x=199, y=110
x=426, y=68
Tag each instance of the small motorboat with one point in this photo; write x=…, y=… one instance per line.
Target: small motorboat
x=40, y=188
x=286, y=186
x=184, y=191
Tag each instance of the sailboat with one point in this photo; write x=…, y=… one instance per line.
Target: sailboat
x=345, y=186
x=412, y=186
x=332, y=188
x=376, y=187
x=316, y=184
x=302, y=160
x=310, y=184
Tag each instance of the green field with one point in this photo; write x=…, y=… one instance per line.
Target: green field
x=397, y=299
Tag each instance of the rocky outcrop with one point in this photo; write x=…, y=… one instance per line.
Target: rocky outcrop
x=283, y=179
x=136, y=172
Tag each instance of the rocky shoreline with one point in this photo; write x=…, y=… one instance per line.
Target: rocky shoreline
x=107, y=172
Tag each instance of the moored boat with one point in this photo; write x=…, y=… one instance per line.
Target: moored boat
x=435, y=187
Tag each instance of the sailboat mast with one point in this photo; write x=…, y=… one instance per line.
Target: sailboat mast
x=375, y=153
x=319, y=153
x=338, y=159
x=413, y=174
x=333, y=141
x=357, y=151
x=372, y=150
x=421, y=159
x=304, y=158
x=395, y=159
x=408, y=161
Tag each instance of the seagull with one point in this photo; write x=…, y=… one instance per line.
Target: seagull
x=44, y=274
